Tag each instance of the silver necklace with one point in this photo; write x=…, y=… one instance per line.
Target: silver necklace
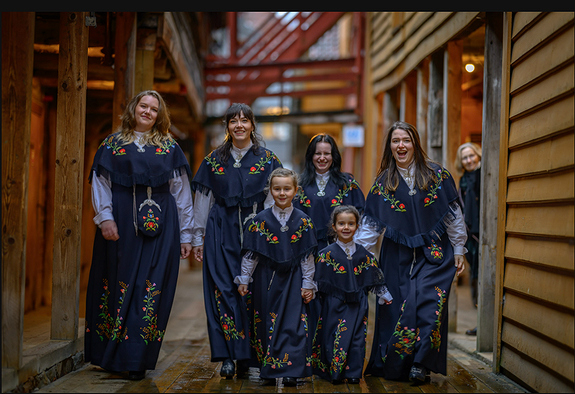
x=140, y=145
x=348, y=254
x=321, y=186
x=237, y=164
x=283, y=228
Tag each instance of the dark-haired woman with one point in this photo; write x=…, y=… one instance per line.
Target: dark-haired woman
x=229, y=190
x=323, y=186
x=414, y=204
x=143, y=203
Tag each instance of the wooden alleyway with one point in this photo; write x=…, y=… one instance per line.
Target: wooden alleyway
x=184, y=364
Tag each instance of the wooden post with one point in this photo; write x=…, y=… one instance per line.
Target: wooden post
x=451, y=135
x=17, y=71
x=70, y=134
x=145, y=49
x=422, y=102
x=435, y=105
x=489, y=181
x=124, y=64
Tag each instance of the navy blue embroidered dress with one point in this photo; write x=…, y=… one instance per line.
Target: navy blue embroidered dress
x=418, y=264
x=133, y=280
x=280, y=333
x=319, y=207
x=239, y=193
x=340, y=338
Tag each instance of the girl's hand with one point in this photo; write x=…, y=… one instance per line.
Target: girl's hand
x=185, y=250
x=243, y=290
x=198, y=252
x=459, y=259
x=307, y=295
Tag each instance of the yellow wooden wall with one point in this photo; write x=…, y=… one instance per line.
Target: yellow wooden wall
x=536, y=264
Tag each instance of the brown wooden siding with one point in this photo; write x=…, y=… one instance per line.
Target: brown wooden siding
x=537, y=285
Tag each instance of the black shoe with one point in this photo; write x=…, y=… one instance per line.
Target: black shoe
x=268, y=382
x=353, y=380
x=136, y=375
x=417, y=374
x=228, y=369
x=242, y=368
x=290, y=382
x=336, y=381
x=471, y=332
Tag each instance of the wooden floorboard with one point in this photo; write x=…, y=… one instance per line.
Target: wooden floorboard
x=184, y=365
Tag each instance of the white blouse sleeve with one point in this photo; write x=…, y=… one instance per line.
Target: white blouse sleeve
x=202, y=205
x=180, y=189
x=367, y=235
x=249, y=264
x=102, y=198
x=456, y=231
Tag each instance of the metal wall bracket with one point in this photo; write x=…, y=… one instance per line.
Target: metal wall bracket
x=91, y=20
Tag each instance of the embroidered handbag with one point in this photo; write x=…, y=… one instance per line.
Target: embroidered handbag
x=150, y=217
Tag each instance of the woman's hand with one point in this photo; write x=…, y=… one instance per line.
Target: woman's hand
x=185, y=250
x=459, y=259
x=109, y=230
x=243, y=290
x=307, y=295
x=198, y=252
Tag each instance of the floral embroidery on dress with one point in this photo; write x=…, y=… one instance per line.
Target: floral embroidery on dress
x=117, y=150
x=339, y=355
x=303, y=199
x=435, y=335
x=366, y=264
x=150, y=221
x=442, y=174
x=152, y=333
x=381, y=191
x=259, y=167
x=307, y=224
x=406, y=337
x=260, y=228
x=326, y=258
x=344, y=192
x=315, y=359
x=216, y=167
x=266, y=359
x=227, y=322
x=112, y=327
x=435, y=250
x=165, y=148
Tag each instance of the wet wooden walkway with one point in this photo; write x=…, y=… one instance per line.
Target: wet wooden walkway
x=184, y=365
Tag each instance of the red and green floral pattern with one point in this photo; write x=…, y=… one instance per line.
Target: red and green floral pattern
x=117, y=150
x=435, y=250
x=217, y=168
x=380, y=190
x=259, y=227
x=164, y=149
x=339, y=357
x=303, y=199
x=338, y=200
x=266, y=359
x=111, y=327
x=442, y=174
x=435, y=334
x=406, y=338
x=151, y=332
x=307, y=224
x=150, y=221
x=326, y=258
x=369, y=262
x=227, y=322
x=260, y=166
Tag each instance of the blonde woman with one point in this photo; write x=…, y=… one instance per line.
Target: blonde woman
x=142, y=199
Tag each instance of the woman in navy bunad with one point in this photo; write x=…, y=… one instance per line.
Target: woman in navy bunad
x=143, y=203
x=279, y=247
x=229, y=190
x=323, y=186
x=345, y=273
x=414, y=204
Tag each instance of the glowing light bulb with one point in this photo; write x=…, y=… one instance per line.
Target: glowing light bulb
x=469, y=67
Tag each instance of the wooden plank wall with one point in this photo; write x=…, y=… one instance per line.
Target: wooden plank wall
x=537, y=292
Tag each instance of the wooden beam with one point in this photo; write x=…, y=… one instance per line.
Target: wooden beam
x=452, y=71
x=145, y=48
x=124, y=60
x=68, y=188
x=17, y=71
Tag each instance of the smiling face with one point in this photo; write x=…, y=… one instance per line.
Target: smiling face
x=146, y=113
x=240, y=129
x=345, y=226
x=402, y=148
x=283, y=189
x=322, y=158
x=469, y=159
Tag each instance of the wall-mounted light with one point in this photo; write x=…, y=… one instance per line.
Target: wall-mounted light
x=469, y=67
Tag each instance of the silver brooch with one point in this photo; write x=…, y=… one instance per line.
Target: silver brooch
x=412, y=192
x=283, y=229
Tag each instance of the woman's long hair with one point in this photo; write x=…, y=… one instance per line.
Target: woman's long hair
x=160, y=132
x=308, y=174
x=224, y=150
x=424, y=174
